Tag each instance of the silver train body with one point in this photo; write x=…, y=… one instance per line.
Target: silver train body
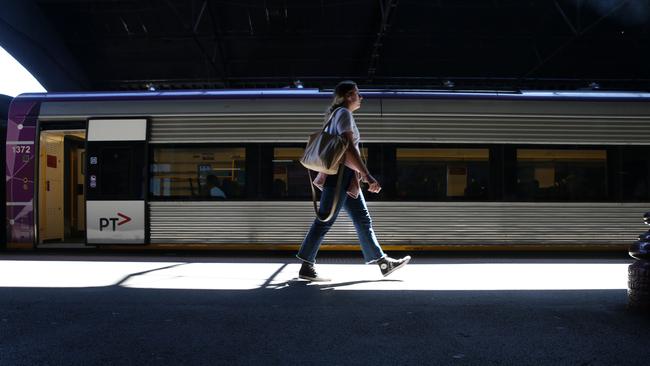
x=416, y=119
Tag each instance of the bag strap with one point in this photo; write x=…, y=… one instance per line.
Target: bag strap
x=330, y=118
x=337, y=195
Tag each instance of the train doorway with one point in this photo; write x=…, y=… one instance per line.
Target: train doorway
x=61, y=193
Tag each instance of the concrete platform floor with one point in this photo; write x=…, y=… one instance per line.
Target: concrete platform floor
x=97, y=308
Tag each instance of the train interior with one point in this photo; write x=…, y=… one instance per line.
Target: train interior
x=61, y=196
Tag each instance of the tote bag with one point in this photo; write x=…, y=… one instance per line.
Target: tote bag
x=324, y=153
x=324, y=150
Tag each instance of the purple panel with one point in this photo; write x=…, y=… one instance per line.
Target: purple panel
x=20, y=169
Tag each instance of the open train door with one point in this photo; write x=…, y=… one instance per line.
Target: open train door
x=116, y=177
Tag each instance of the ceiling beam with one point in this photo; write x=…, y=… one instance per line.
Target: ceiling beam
x=405, y=82
x=193, y=34
x=219, y=42
x=577, y=35
x=199, y=17
x=386, y=8
x=566, y=18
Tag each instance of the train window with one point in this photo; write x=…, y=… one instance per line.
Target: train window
x=442, y=174
x=115, y=170
x=635, y=171
x=206, y=173
x=290, y=178
x=561, y=175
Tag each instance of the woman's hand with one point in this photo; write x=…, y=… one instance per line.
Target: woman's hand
x=373, y=185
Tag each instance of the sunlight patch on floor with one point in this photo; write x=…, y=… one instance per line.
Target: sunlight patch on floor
x=70, y=273
x=278, y=276
x=490, y=276
x=208, y=276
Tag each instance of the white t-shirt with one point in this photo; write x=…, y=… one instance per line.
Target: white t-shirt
x=343, y=121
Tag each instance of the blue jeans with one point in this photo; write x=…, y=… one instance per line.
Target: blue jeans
x=358, y=212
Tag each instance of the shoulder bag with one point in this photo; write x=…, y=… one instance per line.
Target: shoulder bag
x=324, y=153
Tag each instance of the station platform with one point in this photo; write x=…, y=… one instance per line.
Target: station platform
x=250, y=308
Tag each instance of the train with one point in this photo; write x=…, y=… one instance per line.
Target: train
x=460, y=170
x=4, y=112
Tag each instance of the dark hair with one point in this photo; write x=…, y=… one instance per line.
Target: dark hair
x=212, y=179
x=340, y=92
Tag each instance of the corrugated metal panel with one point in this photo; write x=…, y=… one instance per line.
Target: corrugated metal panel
x=406, y=129
x=498, y=121
x=422, y=121
x=403, y=223
x=400, y=120
x=508, y=129
x=236, y=129
x=52, y=110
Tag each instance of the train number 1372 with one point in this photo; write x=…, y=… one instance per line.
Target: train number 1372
x=22, y=149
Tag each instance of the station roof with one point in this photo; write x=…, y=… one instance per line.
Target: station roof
x=423, y=44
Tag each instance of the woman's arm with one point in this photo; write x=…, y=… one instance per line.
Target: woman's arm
x=353, y=158
x=353, y=161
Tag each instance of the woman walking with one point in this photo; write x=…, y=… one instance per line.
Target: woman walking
x=346, y=100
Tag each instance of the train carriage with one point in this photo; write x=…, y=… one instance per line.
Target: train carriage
x=218, y=169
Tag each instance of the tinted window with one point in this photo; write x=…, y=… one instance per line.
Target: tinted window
x=199, y=173
x=442, y=174
x=115, y=171
x=561, y=175
x=290, y=179
x=634, y=174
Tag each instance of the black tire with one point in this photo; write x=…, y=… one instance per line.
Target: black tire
x=639, y=269
x=638, y=299
x=638, y=291
x=638, y=275
x=642, y=286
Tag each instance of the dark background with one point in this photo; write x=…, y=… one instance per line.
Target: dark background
x=439, y=44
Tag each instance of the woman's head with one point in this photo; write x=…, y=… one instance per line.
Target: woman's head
x=346, y=94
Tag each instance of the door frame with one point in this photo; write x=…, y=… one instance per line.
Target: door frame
x=70, y=142
x=43, y=126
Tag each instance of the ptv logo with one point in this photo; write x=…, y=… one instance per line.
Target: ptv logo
x=105, y=222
